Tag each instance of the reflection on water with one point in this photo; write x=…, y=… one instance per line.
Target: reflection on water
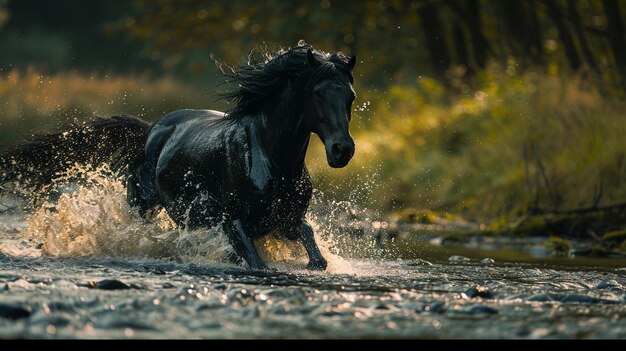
x=87, y=266
x=60, y=298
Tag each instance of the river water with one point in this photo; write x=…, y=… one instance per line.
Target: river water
x=87, y=266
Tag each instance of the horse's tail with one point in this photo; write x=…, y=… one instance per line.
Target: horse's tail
x=115, y=140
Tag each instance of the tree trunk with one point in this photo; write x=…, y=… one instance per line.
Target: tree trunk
x=616, y=36
x=520, y=30
x=564, y=34
x=535, y=38
x=435, y=37
x=582, y=40
x=474, y=24
x=461, y=49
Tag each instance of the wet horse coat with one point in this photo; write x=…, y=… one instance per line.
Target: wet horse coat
x=245, y=169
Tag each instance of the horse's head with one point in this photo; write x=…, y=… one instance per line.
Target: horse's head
x=331, y=97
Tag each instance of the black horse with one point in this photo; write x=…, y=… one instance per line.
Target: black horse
x=244, y=169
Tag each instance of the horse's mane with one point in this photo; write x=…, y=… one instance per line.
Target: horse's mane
x=267, y=76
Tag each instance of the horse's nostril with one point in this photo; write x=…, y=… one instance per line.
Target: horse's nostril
x=350, y=152
x=342, y=151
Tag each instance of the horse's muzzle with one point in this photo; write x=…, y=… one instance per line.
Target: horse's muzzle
x=340, y=154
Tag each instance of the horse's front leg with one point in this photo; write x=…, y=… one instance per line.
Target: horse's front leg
x=304, y=233
x=242, y=244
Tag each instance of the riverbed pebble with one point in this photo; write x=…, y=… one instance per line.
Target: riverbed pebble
x=11, y=311
x=109, y=284
x=479, y=291
x=609, y=285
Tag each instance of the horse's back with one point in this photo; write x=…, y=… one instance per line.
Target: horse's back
x=187, y=115
x=176, y=123
x=142, y=179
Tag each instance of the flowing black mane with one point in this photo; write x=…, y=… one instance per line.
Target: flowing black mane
x=261, y=80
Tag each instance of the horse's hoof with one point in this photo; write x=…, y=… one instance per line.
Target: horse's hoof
x=317, y=265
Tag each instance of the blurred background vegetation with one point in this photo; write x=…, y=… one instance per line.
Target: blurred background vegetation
x=480, y=107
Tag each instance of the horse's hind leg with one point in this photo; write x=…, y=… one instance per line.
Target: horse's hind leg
x=141, y=184
x=136, y=194
x=304, y=233
x=138, y=187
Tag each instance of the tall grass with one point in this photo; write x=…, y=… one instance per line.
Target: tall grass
x=479, y=151
x=476, y=151
x=32, y=101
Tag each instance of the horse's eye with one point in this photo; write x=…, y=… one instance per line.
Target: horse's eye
x=317, y=93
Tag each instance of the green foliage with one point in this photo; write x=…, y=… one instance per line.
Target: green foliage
x=394, y=40
x=559, y=246
x=230, y=29
x=4, y=14
x=68, y=35
x=614, y=236
x=614, y=241
x=412, y=215
x=465, y=152
x=34, y=102
x=417, y=145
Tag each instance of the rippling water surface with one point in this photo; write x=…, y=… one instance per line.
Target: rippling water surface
x=71, y=298
x=88, y=267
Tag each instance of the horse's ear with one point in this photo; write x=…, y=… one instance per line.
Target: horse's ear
x=310, y=58
x=352, y=62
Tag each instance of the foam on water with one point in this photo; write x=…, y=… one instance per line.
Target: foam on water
x=93, y=219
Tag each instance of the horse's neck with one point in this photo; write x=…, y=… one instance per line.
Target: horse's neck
x=284, y=137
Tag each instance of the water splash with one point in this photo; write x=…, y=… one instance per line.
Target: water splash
x=343, y=233
x=94, y=219
x=87, y=215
